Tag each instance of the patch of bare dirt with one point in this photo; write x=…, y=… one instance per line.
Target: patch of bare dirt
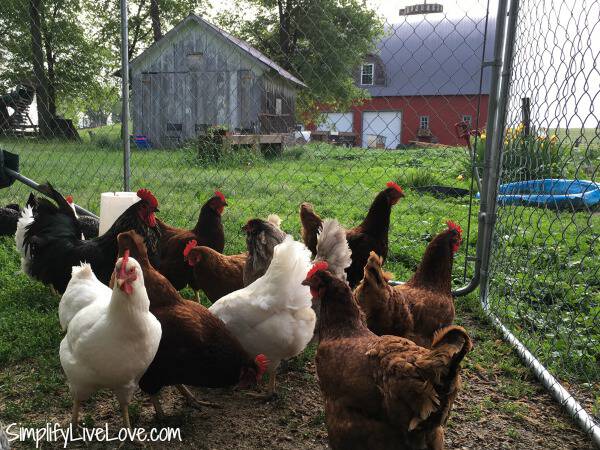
x=484, y=416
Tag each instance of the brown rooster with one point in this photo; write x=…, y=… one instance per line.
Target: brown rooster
x=208, y=232
x=381, y=392
x=196, y=348
x=216, y=274
x=421, y=306
x=370, y=235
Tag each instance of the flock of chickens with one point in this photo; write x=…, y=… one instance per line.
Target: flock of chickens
x=388, y=358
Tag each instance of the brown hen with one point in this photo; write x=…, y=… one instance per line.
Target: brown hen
x=381, y=392
x=216, y=274
x=421, y=306
x=208, y=232
x=196, y=348
x=370, y=235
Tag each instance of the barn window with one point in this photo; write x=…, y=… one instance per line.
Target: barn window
x=193, y=61
x=366, y=76
x=278, y=106
x=468, y=119
x=174, y=126
x=424, y=122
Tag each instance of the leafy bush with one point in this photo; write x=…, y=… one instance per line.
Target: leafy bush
x=525, y=157
x=532, y=157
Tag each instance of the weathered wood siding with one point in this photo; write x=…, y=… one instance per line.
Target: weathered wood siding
x=278, y=105
x=199, y=79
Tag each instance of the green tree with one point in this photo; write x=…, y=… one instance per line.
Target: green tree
x=320, y=41
x=44, y=43
x=146, y=20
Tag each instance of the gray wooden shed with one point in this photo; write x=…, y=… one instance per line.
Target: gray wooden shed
x=197, y=76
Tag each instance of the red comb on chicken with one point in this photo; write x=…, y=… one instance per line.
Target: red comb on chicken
x=391, y=184
x=69, y=199
x=188, y=248
x=321, y=265
x=455, y=227
x=125, y=278
x=262, y=362
x=146, y=195
x=221, y=196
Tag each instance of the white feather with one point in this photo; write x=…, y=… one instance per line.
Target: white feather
x=83, y=289
x=275, y=220
x=332, y=247
x=273, y=315
x=25, y=219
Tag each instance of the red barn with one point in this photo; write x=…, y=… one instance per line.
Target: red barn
x=425, y=76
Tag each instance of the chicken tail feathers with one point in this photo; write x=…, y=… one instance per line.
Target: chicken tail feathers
x=63, y=205
x=275, y=220
x=455, y=339
x=332, y=247
x=82, y=272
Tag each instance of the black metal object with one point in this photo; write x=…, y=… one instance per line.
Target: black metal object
x=9, y=172
x=8, y=161
x=443, y=191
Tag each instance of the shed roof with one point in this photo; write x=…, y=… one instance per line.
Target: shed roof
x=435, y=57
x=247, y=48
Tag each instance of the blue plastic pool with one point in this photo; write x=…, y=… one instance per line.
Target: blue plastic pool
x=551, y=193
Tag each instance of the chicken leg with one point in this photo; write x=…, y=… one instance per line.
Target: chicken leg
x=125, y=413
x=75, y=413
x=155, y=399
x=193, y=401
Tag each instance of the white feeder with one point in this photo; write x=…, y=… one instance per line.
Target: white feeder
x=112, y=205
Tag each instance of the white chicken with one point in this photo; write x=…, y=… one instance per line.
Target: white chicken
x=111, y=335
x=273, y=315
x=25, y=219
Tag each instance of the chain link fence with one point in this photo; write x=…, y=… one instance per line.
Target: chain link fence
x=274, y=105
x=278, y=103
x=543, y=275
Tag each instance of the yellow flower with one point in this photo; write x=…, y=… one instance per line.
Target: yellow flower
x=460, y=177
x=482, y=136
x=520, y=127
x=553, y=138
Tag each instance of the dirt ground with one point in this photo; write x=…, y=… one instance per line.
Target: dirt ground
x=491, y=412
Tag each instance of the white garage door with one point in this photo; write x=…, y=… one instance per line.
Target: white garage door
x=337, y=122
x=382, y=124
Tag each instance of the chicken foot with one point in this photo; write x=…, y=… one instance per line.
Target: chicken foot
x=270, y=394
x=191, y=399
x=75, y=413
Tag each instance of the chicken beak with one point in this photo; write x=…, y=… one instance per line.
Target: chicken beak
x=122, y=280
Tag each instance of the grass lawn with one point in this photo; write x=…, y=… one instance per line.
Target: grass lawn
x=543, y=251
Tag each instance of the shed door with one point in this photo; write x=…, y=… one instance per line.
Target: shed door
x=245, y=99
x=381, y=127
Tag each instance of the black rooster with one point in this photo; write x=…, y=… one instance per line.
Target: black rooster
x=54, y=239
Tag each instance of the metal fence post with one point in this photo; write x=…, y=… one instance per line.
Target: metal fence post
x=496, y=65
x=125, y=96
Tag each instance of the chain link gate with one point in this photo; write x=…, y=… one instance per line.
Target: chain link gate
x=228, y=100
x=540, y=287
